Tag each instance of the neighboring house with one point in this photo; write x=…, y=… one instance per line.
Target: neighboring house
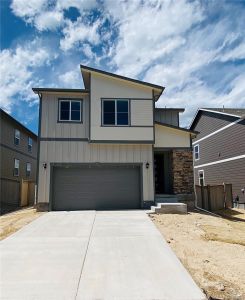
x=18, y=149
x=219, y=148
x=98, y=145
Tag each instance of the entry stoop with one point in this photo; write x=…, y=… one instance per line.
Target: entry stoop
x=169, y=208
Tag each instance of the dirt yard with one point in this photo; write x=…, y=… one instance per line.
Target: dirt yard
x=211, y=248
x=12, y=222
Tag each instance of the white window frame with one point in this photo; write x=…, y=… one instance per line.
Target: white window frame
x=114, y=125
x=70, y=101
x=16, y=136
x=29, y=144
x=17, y=166
x=28, y=164
x=201, y=171
x=198, y=152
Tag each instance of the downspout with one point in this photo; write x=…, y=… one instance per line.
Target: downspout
x=38, y=144
x=195, y=201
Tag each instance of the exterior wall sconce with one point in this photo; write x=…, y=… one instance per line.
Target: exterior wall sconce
x=147, y=165
x=45, y=165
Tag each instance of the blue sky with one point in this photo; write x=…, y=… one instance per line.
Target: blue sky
x=196, y=49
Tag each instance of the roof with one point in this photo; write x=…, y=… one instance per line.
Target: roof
x=233, y=112
x=85, y=69
x=172, y=108
x=230, y=111
x=62, y=90
x=176, y=127
x=17, y=122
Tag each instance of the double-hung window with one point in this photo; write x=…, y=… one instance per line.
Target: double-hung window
x=70, y=110
x=28, y=169
x=29, y=144
x=201, y=177
x=16, y=137
x=115, y=112
x=16, y=167
x=196, y=152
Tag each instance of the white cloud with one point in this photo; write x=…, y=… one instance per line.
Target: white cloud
x=17, y=72
x=77, y=32
x=27, y=9
x=71, y=79
x=49, y=20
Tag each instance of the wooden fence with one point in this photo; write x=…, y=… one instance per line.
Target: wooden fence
x=214, y=197
x=27, y=194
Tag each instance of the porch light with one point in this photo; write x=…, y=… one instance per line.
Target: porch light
x=45, y=165
x=147, y=165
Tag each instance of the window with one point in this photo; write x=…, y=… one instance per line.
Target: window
x=115, y=112
x=70, y=110
x=201, y=177
x=28, y=169
x=196, y=152
x=16, y=167
x=29, y=144
x=17, y=137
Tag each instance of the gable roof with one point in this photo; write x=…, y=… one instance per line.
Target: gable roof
x=85, y=69
x=233, y=112
x=8, y=116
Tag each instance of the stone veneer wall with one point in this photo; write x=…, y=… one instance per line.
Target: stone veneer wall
x=183, y=179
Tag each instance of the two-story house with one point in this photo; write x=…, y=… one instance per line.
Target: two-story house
x=18, y=150
x=108, y=147
x=219, y=148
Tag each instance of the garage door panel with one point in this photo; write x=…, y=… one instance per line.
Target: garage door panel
x=96, y=187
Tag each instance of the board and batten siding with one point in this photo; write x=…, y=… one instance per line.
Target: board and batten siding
x=170, y=117
x=209, y=122
x=51, y=128
x=83, y=152
x=166, y=137
x=141, y=108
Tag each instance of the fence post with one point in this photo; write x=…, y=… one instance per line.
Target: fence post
x=208, y=198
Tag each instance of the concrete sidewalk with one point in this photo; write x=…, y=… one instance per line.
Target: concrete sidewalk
x=92, y=255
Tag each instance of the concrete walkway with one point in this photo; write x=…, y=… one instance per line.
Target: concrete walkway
x=113, y=255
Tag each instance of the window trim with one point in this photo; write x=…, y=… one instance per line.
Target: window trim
x=29, y=145
x=16, y=138
x=28, y=175
x=199, y=171
x=16, y=159
x=198, y=147
x=70, y=100
x=115, y=100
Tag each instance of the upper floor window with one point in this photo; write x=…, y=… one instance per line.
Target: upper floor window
x=29, y=144
x=196, y=152
x=70, y=110
x=17, y=137
x=28, y=169
x=115, y=112
x=16, y=167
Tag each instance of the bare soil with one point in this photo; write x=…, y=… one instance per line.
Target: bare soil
x=11, y=222
x=211, y=248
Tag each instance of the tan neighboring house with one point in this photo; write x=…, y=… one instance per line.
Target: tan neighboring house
x=108, y=147
x=18, y=155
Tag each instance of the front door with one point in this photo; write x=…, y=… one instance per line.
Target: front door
x=163, y=172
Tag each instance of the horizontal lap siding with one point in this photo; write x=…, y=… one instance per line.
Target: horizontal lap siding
x=229, y=172
x=210, y=122
x=225, y=144
x=51, y=128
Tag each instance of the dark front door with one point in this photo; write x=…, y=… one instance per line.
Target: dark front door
x=96, y=187
x=163, y=172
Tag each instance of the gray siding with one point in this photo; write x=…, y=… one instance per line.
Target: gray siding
x=170, y=117
x=225, y=144
x=209, y=122
x=229, y=172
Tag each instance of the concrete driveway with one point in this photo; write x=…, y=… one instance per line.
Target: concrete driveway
x=111, y=255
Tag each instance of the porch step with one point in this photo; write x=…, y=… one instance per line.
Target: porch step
x=166, y=199
x=169, y=208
